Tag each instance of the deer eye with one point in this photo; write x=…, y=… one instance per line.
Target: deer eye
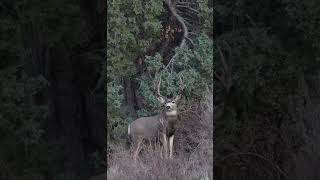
x=173, y=102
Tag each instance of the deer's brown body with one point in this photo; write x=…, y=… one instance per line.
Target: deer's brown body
x=159, y=128
x=150, y=127
x=145, y=127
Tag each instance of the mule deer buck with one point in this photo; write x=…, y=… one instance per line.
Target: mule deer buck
x=159, y=127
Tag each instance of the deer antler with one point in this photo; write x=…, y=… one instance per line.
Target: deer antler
x=158, y=94
x=181, y=87
x=158, y=87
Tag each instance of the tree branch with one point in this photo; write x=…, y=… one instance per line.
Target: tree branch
x=184, y=27
x=189, y=3
x=190, y=40
x=187, y=7
x=225, y=77
x=180, y=19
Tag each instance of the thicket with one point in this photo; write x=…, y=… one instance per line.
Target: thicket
x=22, y=117
x=194, y=151
x=42, y=46
x=129, y=34
x=267, y=103
x=147, y=42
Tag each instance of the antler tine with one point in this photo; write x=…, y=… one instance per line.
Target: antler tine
x=158, y=87
x=181, y=85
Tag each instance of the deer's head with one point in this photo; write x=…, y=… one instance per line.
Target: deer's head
x=169, y=103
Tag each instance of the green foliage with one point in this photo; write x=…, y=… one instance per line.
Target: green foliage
x=132, y=26
x=114, y=97
x=135, y=26
x=21, y=123
x=206, y=15
x=304, y=16
x=272, y=54
x=196, y=72
x=28, y=29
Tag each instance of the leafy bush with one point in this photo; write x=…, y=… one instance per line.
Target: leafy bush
x=22, y=125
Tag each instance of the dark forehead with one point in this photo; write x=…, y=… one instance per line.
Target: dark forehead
x=168, y=99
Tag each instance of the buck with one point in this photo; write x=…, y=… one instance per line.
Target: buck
x=160, y=127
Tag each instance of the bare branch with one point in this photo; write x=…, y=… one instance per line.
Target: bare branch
x=223, y=61
x=191, y=32
x=218, y=77
x=188, y=7
x=224, y=78
x=188, y=3
x=180, y=19
x=190, y=40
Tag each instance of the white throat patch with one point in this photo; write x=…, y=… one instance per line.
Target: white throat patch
x=171, y=113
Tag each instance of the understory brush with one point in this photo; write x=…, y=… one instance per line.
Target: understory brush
x=193, y=147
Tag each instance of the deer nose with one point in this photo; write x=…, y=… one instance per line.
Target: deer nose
x=168, y=107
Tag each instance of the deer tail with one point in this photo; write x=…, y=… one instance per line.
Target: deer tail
x=129, y=137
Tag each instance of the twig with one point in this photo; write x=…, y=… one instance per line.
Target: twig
x=190, y=40
x=194, y=3
x=171, y=61
x=224, y=64
x=187, y=7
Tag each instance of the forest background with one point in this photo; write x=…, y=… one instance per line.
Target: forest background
x=57, y=58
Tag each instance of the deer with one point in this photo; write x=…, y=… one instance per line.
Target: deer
x=160, y=127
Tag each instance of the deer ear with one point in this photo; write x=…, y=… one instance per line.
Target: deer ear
x=161, y=99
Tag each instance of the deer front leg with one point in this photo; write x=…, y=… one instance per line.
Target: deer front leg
x=161, y=156
x=165, y=145
x=171, y=145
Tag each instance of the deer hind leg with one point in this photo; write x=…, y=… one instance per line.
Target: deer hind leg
x=171, y=145
x=160, y=149
x=137, y=150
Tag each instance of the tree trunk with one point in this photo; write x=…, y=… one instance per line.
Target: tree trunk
x=77, y=115
x=129, y=94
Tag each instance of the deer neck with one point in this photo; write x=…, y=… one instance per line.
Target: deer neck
x=169, y=116
x=171, y=113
